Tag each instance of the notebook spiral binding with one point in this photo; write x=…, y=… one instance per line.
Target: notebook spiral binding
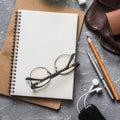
x=15, y=51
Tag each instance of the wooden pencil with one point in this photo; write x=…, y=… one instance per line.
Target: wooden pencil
x=103, y=69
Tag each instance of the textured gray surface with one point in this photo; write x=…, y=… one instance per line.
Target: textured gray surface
x=12, y=109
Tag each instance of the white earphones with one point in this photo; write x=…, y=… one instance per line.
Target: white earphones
x=97, y=90
x=95, y=83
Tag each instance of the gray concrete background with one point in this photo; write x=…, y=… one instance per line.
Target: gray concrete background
x=13, y=109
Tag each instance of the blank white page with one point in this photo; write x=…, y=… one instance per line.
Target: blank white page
x=43, y=37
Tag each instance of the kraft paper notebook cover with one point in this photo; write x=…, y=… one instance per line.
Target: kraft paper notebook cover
x=43, y=43
x=5, y=61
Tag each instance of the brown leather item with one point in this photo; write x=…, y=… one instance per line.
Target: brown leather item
x=96, y=20
x=114, y=21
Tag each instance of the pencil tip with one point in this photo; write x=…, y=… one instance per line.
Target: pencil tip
x=88, y=38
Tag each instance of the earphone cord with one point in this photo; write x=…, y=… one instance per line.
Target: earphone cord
x=85, y=99
x=77, y=105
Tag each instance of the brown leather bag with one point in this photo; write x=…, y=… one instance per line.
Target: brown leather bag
x=96, y=20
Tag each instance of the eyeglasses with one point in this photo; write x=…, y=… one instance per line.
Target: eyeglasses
x=63, y=65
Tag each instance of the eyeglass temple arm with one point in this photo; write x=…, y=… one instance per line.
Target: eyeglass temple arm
x=35, y=79
x=76, y=64
x=50, y=76
x=71, y=57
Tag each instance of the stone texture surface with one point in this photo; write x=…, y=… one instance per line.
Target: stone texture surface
x=12, y=109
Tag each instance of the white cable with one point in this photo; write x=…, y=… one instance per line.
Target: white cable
x=95, y=82
x=87, y=96
x=77, y=105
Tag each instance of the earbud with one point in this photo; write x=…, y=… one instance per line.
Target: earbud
x=95, y=82
x=97, y=90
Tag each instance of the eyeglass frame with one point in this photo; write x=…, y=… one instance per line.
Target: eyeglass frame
x=55, y=74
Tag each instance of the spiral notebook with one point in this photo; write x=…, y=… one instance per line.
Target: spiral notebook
x=5, y=56
x=40, y=38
